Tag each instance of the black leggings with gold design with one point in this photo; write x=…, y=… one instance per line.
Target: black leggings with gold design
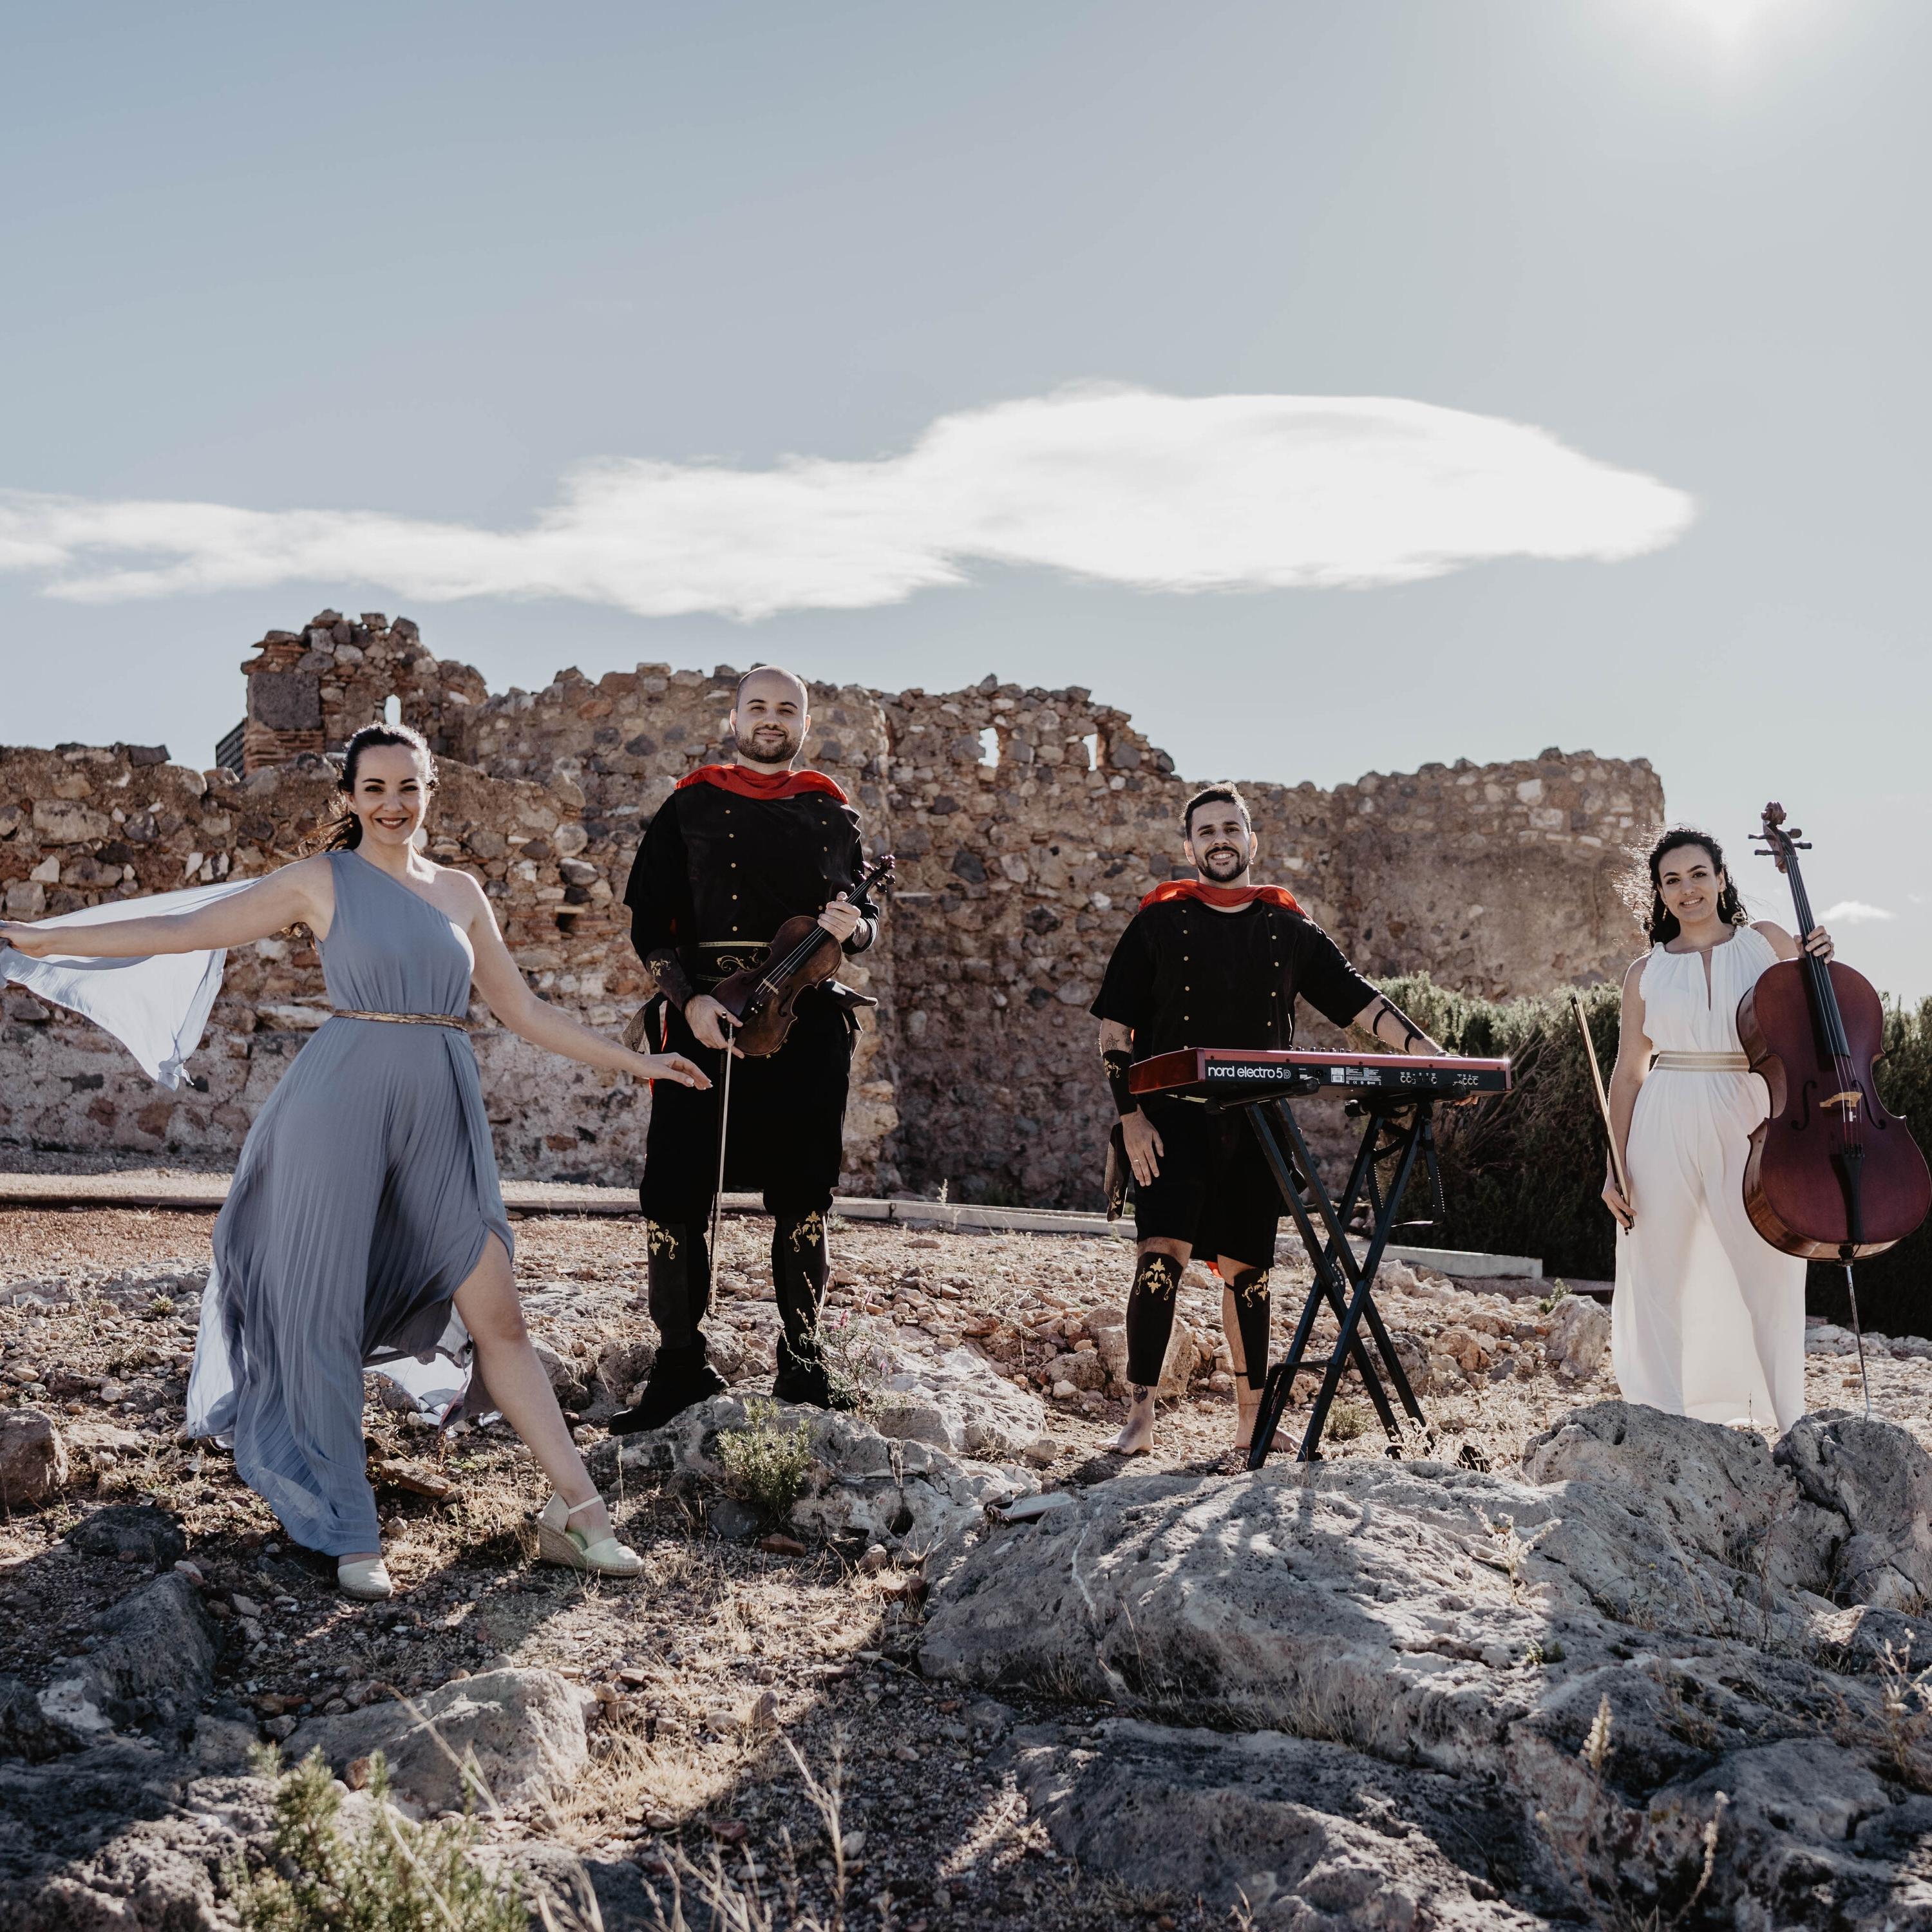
x=1150, y=1318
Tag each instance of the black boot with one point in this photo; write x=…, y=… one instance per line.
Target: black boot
x=800, y=1267
x=679, y=1379
x=801, y=1378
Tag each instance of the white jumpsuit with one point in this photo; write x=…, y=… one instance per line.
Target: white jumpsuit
x=1708, y=1319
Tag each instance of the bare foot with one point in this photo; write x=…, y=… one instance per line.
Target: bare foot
x=1136, y=1438
x=1250, y=1408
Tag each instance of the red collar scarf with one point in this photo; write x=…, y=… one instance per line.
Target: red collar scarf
x=1225, y=897
x=763, y=784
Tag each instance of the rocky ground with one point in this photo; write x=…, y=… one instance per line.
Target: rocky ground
x=1051, y=1690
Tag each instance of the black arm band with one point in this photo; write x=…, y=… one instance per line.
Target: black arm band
x=1117, y=1063
x=1386, y=1007
x=673, y=982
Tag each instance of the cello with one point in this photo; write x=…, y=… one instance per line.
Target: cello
x=1831, y=1176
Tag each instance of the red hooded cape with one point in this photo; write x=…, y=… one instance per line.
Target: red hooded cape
x=1226, y=897
x=763, y=784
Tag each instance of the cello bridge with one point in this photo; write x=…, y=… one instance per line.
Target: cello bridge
x=1848, y=1100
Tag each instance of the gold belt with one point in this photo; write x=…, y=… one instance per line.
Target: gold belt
x=1701, y=1063
x=406, y=1019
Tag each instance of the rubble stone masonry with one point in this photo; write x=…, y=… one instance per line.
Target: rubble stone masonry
x=1027, y=823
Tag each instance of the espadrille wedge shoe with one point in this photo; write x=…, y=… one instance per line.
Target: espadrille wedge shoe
x=558, y=1543
x=367, y=1581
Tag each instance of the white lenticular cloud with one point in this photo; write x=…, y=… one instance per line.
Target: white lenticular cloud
x=1854, y=912
x=1120, y=485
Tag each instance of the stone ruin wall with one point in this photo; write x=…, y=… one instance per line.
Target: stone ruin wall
x=1017, y=877
x=1017, y=872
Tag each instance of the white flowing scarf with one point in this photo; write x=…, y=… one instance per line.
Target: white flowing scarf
x=156, y=1006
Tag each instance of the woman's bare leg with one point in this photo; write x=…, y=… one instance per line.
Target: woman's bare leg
x=515, y=1378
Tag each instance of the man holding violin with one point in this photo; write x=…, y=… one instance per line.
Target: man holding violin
x=734, y=852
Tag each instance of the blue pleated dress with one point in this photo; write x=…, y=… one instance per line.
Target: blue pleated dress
x=363, y=1197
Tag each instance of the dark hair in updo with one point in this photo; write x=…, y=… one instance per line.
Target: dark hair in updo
x=1663, y=926
x=344, y=831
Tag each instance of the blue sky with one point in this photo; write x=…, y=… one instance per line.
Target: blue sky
x=418, y=266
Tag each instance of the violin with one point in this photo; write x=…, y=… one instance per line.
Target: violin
x=1832, y=1175
x=763, y=998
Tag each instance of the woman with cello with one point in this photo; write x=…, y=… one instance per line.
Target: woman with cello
x=1709, y=1317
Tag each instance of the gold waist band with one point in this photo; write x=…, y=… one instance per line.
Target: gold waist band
x=405, y=1019
x=1701, y=1063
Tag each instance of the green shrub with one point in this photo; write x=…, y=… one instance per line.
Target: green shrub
x=765, y=1465
x=1892, y=1286
x=1522, y=1173
x=398, y=1877
x=1347, y=1421
x=854, y=1351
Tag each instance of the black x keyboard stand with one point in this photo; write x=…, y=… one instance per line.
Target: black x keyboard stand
x=1400, y=1128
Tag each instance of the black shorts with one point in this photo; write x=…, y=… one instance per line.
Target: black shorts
x=788, y=1131
x=1214, y=1189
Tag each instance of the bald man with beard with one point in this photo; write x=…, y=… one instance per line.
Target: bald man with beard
x=736, y=849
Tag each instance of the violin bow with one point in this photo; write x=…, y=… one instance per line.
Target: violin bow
x=724, y=1128
x=1603, y=1098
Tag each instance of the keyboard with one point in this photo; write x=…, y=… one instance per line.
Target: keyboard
x=1229, y=1073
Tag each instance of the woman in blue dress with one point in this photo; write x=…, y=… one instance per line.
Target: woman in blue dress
x=364, y=1226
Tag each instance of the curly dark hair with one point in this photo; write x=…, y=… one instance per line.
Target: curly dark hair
x=1221, y=792
x=344, y=832
x=1662, y=924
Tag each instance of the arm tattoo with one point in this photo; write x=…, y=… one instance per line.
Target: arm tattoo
x=666, y=970
x=1117, y=1062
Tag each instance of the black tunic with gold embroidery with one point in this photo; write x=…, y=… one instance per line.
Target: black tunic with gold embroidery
x=715, y=876
x=1185, y=974
x=717, y=873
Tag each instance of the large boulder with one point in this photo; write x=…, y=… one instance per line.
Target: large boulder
x=1709, y=1495
x=1190, y=1352
x=1473, y=1627
x=524, y=1730
x=26, y=1731
x=859, y=1483
x=1580, y=1332
x=1306, y=1834
x=1871, y=1485
x=568, y=1376
x=33, y=1458
x=957, y=1402
x=130, y=1533
x=155, y=1665
x=122, y=1836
